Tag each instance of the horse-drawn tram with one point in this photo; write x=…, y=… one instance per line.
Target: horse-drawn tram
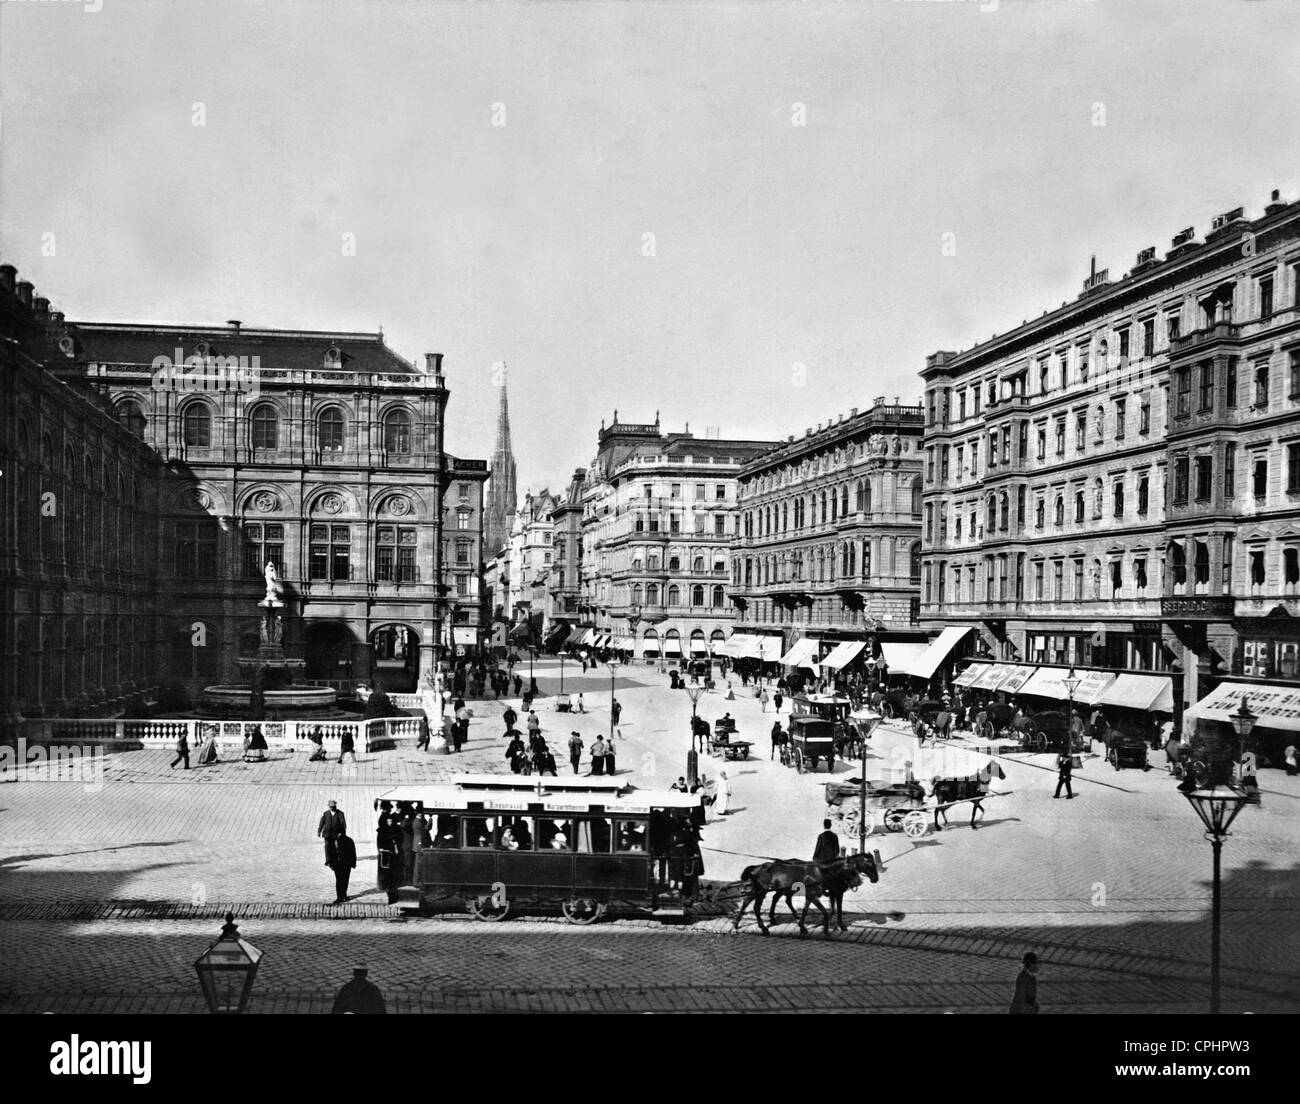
x=497, y=842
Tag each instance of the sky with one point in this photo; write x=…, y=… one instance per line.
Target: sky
x=754, y=216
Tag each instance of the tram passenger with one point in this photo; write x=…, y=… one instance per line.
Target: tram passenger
x=478, y=831
x=631, y=836
x=423, y=837
x=508, y=841
x=448, y=831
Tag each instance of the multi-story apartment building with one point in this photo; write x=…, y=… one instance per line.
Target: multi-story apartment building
x=320, y=452
x=530, y=551
x=564, y=585
x=829, y=549
x=1116, y=484
x=658, y=523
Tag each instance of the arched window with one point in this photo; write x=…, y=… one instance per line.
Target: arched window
x=914, y=571
x=397, y=433
x=131, y=414
x=697, y=565
x=652, y=594
x=1178, y=563
x=1006, y=512
x=991, y=510
x=674, y=563
x=329, y=430
x=916, y=497
x=697, y=595
x=674, y=595
x=636, y=594
x=1039, y=511
x=196, y=425
x=266, y=427
x=718, y=597
x=844, y=500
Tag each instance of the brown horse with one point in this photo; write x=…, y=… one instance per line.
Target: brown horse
x=784, y=878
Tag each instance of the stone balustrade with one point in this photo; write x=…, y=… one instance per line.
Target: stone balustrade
x=377, y=734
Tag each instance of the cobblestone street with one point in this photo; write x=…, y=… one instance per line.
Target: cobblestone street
x=1111, y=890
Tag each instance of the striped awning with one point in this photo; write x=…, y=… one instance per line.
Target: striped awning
x=801, y=655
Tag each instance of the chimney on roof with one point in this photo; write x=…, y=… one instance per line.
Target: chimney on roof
x=40, y=307
x=433, y=363
x=1275, y=203
x=853, y=413
x=24, y=289
x=56, y=318
x=234, y=324
x=7, y=276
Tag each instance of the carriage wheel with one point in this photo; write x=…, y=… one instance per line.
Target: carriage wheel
x=915, y=824
x=797, y=756
x=582, y=910
x=850, y=819
x=744, y=753
x=484, y=907
x=893, y=820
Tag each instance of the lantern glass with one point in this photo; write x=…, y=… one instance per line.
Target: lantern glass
x=1071, y=682
x=1217, y=808
x=1243, y=721
x=226, y=971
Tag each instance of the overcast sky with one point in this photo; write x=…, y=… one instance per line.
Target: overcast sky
x=774, y=244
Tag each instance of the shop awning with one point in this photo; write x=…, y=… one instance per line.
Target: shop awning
x=937, y=652
x=972, y=672
x=699, y=647
x=992, y=675
x=764, y=648
x=587, y=637
x=462, y=635
x=726, y=647
x=672, y=647
x=802, y=652
x=1092, y=684
x=1014, y=678
x=1152, y=693
x=899, y=657
x=843, y=654
x=1273, y=706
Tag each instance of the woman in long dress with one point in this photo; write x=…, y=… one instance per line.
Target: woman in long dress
x=208, y=752
x=723, y=798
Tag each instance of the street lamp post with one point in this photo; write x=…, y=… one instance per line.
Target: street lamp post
x=693, y=756
x=1071, y=683
x=1217, y=804
x=226, y=970
x=866, y=726
x=613, y=665
x=561, y=672
x=1243, y=721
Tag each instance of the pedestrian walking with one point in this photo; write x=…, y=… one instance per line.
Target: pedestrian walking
x=333, y=824
x=509, y=717
x=182, y=751
x=347, y=745
x=731, y=694
x=519, y=685
x=359, y=997
x=1064, y=768
x=534, y=724
x=575, y=750
x=778, y=738
x=345, y=860
x=462, y=726
x=317, y=739
x=828, y=845
x=1025, y=1002
x=582, y=708
x=722, y=795
x=1289, y=757
x=615, y=711
x=764, y=699
x=422, y=743
x=777, y=699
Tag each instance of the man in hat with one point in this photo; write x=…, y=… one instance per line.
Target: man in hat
x=332, y=825
x=359, y=996
x=345, y=860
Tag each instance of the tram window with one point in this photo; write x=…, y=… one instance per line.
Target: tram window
x=478, y=831
x=516, y=835
x=448, y=833
x=631, y=835
x=593, y=836
x=553, y=835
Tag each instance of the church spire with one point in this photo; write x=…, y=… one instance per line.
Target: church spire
x=501, y=499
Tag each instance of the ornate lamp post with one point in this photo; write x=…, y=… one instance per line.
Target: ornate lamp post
x=1243, y=721
x=1217, y=804
x=1071, y=683
x=866, y=726
x=226, y=971
x=613, y=666
x=693, y=756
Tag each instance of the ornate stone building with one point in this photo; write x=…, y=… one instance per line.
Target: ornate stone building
x=1116, y=484
x=658, y=523
x=564, y=585
x=321, y=452
x=830, y=538
x=81, y=575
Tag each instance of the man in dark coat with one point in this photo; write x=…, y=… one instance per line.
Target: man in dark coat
x=509, y=716
x=828, y=845
x=345, y=860
x=1025, y=1001
x=347, y=745
x=333, y=824
x=1064, y=768
x=182, y=751
x=360, y=996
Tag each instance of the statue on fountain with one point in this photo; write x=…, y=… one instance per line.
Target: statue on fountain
x=274, y=588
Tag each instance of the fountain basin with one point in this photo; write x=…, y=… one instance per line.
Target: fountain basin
x=230, y=697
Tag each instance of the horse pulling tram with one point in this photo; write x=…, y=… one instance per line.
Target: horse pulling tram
x=583, y=843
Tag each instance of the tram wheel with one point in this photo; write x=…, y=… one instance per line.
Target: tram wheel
x=582, y=910
x=486, y=908
x=915, y=825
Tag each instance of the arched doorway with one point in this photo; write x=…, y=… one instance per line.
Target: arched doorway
x=327, y=648
x=395, y=657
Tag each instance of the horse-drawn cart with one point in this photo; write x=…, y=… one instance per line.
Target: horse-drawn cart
x=1126, y=749
x=721, y=743
x=895, y=808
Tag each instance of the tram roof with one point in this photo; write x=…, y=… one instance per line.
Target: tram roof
x=522, y=797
